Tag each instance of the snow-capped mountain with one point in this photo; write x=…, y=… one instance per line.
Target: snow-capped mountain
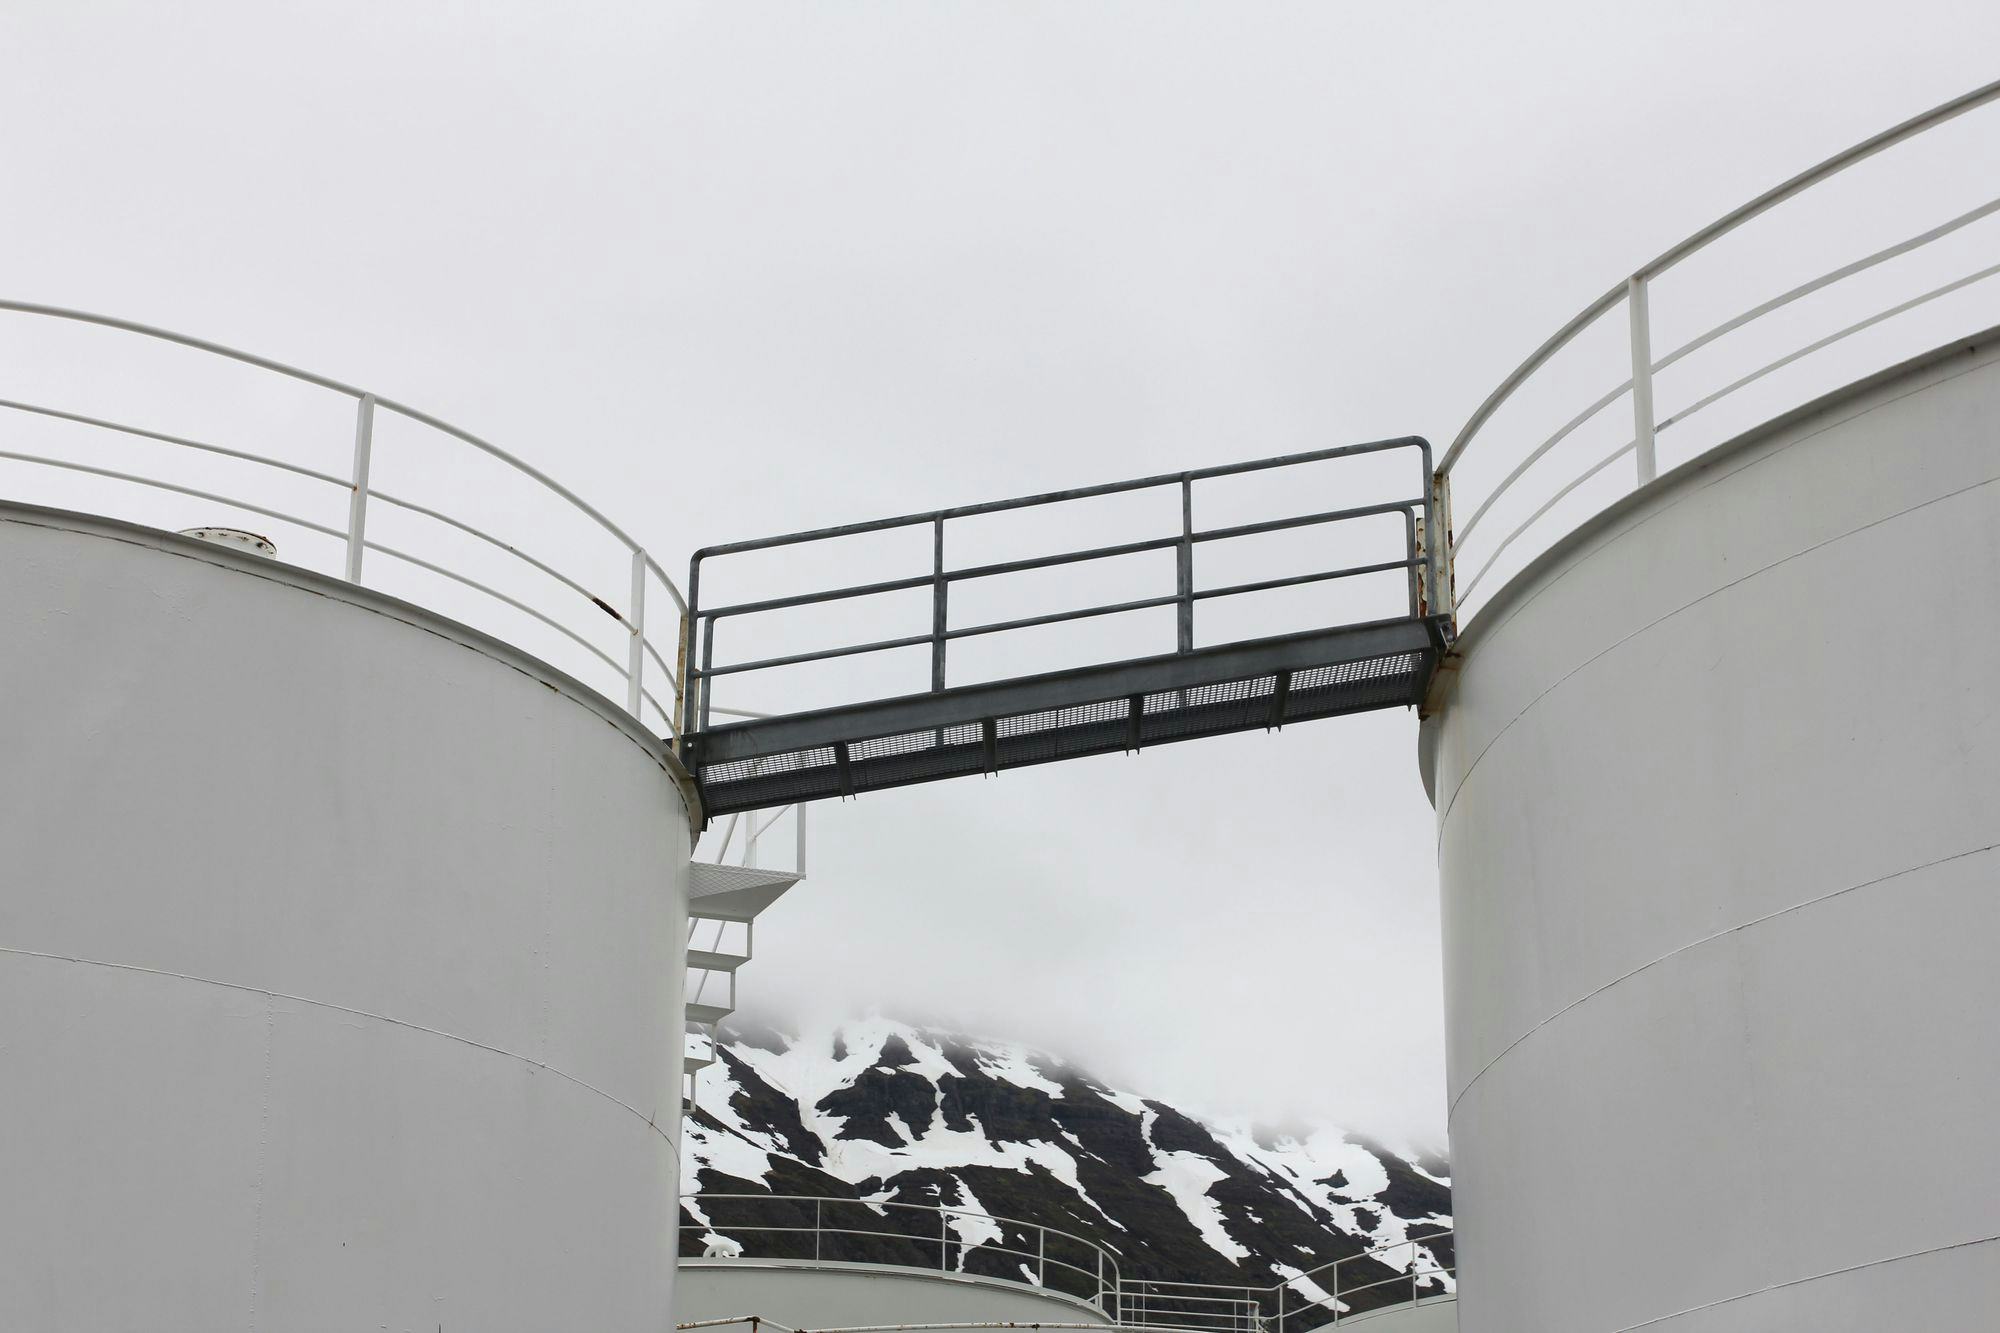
x=882, y=1111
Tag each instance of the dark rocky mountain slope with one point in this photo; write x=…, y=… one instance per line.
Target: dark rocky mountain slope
x=879, y=1113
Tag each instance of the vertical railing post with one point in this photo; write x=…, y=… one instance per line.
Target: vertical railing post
x=1184, y=572
x=1042, y=1257
x=357, y=503
x=1281, y=1306
x=944, y=1261
x=635, y=659
x=937, y=607
x=818, y=1204
x=799, y=814
x=1642, y=375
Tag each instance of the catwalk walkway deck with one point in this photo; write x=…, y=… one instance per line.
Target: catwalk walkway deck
x=949, y=731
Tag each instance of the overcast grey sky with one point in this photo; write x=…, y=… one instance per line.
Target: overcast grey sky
x=735, y=269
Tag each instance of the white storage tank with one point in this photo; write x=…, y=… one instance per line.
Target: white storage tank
x=1718, y=804
x=340, y=958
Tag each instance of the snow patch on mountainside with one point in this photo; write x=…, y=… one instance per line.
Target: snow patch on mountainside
x=883, y=1111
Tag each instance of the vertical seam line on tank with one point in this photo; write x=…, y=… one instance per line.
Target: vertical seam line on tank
x=263, y=1158
x=1709, y=939
x=637, y=1114
x=1655, y=623
x=1799, y=1281
x=1674, y=502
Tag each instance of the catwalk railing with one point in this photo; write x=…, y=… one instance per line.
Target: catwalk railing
x=1533, y=480
x=1160, y=687
x=811, y=1228
x=614, y=646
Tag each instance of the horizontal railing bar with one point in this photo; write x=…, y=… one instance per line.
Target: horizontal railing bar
x=1293, y=580
x=1507, y=482
x=164, y=438
x=1721, y=226
x=336, y=386
x=1046, y=561
x=1056, y=617
x=491, y=540
x=157, y=484
x=497, y=595
x=852, y=650
x=1307, y=520
x=1383, y=1248
x=1825, y=280
x=1066, y=558
x=1472, y=583
x=185, y=340
x=811, y=598
x=1828, y=341
x=823, y=1199
x=1812, y=176
x=1058, y=497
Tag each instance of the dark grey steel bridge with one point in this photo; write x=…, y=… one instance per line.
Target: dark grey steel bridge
x=1189, y=692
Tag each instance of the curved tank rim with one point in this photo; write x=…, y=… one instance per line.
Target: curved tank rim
x=369, y=599
x=1496, y=610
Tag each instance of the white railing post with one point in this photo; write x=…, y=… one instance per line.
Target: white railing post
x=1042, y=1257
x=817, y=1205
x=357, y=503
x=1642, y=375
x=635, y=661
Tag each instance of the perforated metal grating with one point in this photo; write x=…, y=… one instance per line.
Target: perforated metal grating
x=1102, y=726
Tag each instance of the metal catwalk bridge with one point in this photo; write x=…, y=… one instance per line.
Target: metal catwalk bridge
x=953, y=730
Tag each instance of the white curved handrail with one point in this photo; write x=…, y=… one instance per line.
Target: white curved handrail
x=644, y=568
x=1633, y=290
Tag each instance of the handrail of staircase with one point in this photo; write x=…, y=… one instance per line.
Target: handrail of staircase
x=1633, y=291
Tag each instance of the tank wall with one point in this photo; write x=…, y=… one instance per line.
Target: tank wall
x=827, y=1295
x=1436, y=1315
x=1718, y=787
x=340, y=957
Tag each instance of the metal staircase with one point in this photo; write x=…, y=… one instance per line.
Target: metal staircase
x=1310, y=671
x=728, y=898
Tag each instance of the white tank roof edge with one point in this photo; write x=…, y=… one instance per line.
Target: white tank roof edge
x=1496, y=609
x=248, y=562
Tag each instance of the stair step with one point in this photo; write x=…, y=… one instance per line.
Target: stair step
x=707, y=960
x=707, y=1014
x=691, y=1063
x=734, y=893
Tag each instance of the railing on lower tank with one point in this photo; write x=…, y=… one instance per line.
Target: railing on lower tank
x=813, y=1228
x=910, y=1235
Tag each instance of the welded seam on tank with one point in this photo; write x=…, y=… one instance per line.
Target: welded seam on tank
x=1710, y=939
x=1466, y=778
x=1800, y=1281
x=649, y=1121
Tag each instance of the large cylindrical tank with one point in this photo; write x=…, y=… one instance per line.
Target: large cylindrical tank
x=1718, y=795
x=340, y=959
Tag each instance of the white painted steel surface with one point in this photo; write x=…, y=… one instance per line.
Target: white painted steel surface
x=1718, y=792
x=1433, y=1314
x=340, y=959
x=826, y=1295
